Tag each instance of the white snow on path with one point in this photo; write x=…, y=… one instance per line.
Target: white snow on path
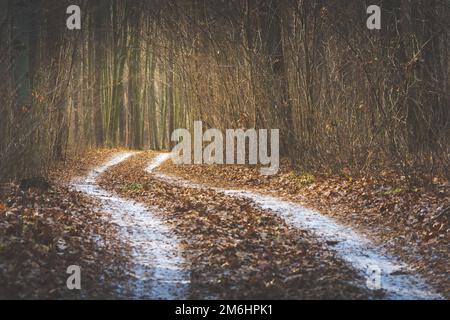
x=158, y=270
x=396, y=278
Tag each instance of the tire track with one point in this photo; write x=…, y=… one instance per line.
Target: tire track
x=383, y=271
x=158, y=269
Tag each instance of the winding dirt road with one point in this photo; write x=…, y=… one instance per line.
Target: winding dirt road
x=159, y=270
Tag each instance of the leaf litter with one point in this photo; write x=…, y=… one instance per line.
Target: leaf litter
x=42, y=233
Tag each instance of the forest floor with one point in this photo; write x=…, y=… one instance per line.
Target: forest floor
x=216, y=244
x=43, y=232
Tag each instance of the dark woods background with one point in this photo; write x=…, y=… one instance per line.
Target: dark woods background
x=344, y=97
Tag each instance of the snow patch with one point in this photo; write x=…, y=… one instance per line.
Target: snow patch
x=397, y=279
x=158, y=267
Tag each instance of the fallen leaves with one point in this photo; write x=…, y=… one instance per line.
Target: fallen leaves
x=42, y=232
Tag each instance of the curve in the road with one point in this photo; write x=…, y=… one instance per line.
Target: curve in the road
x=158, y=270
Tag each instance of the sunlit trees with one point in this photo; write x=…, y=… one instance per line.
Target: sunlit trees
x=342, y=95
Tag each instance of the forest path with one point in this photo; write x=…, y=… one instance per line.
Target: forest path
x=157, y=270
x=382, y=270
x=236, y=241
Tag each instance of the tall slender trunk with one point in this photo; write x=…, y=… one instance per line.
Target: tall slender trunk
x=170, y=95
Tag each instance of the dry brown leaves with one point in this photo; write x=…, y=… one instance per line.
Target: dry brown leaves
x=42, y=233
x=79, y=165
